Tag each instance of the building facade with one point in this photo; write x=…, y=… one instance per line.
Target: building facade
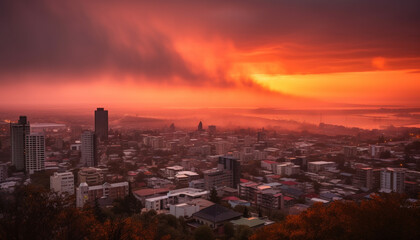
x=392, y=180
x=62, y=182
x=18, y=132
x=88, y=149
x=101, y=124
x=91, y=176
x=105, y=193
x=34, y=152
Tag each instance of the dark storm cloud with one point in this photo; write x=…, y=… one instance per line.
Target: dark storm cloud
x=62, y=37
x=59, y=37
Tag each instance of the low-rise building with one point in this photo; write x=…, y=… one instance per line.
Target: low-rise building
x=90, y=175
x=215, y=216
x=62, y=182
x=105, y=193
x=318, y=166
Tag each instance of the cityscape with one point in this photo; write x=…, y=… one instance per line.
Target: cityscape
x=205, y=120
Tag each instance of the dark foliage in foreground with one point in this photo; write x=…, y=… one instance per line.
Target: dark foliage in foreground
x=33, y=213
x=384, y=217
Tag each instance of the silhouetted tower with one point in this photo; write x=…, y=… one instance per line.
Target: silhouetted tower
x=200, y=126
x=101, y=124
x=172, y=127
x=18, y=132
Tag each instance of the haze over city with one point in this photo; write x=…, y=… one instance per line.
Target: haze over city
x=182, y=54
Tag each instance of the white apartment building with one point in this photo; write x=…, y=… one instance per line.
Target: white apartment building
x=62, y=182
x=34, y=152
x=318, y=166
x=88, y=149
x=392, y=180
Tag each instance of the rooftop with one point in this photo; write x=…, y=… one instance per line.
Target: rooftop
x=250, y=222
x=217, y=213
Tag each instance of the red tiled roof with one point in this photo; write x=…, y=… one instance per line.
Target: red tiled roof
x=230, y=198
x=269, y=162
x=244, y=180
x=286, y=198
x=289, y=183
x=150, y=191
x=311, y=195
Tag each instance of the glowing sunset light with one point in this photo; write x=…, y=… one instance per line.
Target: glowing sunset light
x=209, y=54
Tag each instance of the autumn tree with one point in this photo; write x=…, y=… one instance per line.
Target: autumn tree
x=387, y=216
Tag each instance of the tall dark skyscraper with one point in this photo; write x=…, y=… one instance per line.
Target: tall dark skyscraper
x=18, y=132
x=101, y=124
x=231, y=164
x=200, y=126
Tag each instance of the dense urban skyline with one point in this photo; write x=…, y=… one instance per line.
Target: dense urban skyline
x=209, y=120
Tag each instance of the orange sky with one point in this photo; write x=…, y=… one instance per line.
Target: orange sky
x=182, y=54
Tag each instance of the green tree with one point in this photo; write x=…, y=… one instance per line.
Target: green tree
x=204, y=232
x=387, y=216
x=213, y=195
x=243, y=232
x=228, y=230
x=246, y=213
x=128, y=205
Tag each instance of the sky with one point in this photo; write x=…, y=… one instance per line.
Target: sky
x=209, y=54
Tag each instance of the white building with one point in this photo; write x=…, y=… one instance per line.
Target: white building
x=34, y=152
x=88, y=149
x=292, y=169
x=392, y=180
x=171, y=171
x=376, y=150
x=156, y=203
x=174, y=197
x=183, y=209
x=62, y=182
x=184, y=177
x=318, y=166
x=105, y=193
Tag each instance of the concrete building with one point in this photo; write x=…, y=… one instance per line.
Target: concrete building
x=184, y=177
x=318, y=166
x=88, y=149
x=376, y=150
x=171, y=171
x=105, y=193
x=392, y=180
x=146, y=193
x=183, y=209
x=350, y=151
x=232, y=165
x=212, y=129
x=62, y=182
x=34, y=152
x=91, y=176
x=363, y=178
x=292, y=170
x=174, y=197
x=156, y=203
x=217, y=178
x=199, y=183
x=18, y=132
x=222, y=147
x=101, y=124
